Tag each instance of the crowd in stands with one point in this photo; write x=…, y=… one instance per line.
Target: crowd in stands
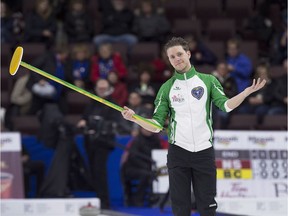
x=87, y=41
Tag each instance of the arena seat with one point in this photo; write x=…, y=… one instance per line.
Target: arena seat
x=6, y=54
x=175, y=9
x=239, y=10
x=122, y=49
x=207, y=10
x=5, y=99
x=184, y=27
x=208, y=69
x=242, y=122
x=77, y=102
x=6, y=79
x=274, y=122
x=250, y=48
x=277, y=71
x=32, y=51
x=221, y=29
x=217, y=47
x=144, y=52
x=73, y=119
x=27, y=125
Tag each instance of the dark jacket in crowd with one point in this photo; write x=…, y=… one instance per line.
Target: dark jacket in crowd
x=150, y=27
x=140, y=151
x=35, y=25
x=78, y=27
x=208, y=56
x=48, y=64
x=116, y=22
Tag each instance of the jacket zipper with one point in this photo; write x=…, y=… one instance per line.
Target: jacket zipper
x=189, y=102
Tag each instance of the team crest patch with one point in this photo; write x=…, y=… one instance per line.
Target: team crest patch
x=197, y=92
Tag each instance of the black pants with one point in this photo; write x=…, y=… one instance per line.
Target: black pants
x=186, y=167
x=98, y=157
x=145, y=182
x=33, y=168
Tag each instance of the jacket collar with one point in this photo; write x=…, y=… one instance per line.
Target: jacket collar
x=186, y=75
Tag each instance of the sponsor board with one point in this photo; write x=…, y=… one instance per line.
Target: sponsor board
x=45, y=207
x=11, y=166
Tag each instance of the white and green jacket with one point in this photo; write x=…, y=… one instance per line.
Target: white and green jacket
x=186, y=99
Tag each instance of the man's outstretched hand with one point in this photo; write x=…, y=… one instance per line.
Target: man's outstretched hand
x=255, y=86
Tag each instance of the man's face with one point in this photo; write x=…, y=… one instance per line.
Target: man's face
x=222, y=69
x=232, y=49
x=102, y=88
x=179, y=58
x=105, y=51
x=134, y=99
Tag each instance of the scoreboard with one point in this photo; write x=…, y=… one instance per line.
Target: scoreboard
x=249, y=164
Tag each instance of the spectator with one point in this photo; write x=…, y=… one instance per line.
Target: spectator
x=99, y=120
x=200, y=54
x=41, y=24
x=6, y=24
x=12, y=25
x=106, y=61
x=120, y=92
x=239, y=65
x=20, y=99
x=137, y=165
x=163, y=69
x=260, y=102
x=228, y=83
x=150, y=25
x=260, y=27
x=144, y=87
x=280, y=94
x=135, y=101
x=117, y=23
x=279, y=53
x=81, y=66
x=45, y=91
x=78, y=25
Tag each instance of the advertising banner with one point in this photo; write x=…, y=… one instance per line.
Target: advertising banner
x=11, y=166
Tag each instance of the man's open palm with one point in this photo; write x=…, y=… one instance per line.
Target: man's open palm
x=255, y=86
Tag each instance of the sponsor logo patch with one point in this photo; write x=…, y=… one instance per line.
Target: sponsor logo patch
x=197, y=92
x=178, y=98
